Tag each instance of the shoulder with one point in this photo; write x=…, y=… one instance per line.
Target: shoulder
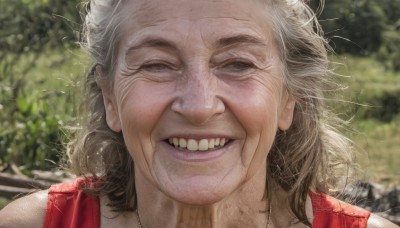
x=376, y=221
x=28, y=211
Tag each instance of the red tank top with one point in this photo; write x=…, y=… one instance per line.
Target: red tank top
x=69, y=207
x=331, y=212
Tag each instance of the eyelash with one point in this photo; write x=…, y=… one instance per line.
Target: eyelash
x=156, y=67
x=237, y=65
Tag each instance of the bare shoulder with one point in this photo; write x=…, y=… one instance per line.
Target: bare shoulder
x=376, y=221
x=28, y=211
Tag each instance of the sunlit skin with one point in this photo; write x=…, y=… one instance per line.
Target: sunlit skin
x=198, y=70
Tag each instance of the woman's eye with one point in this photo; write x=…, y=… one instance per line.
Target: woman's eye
x=155, y=67
x=237, y=66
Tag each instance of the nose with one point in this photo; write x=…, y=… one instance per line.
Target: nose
x=198, y=99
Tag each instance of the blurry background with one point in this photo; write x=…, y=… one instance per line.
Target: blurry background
x=42, y=69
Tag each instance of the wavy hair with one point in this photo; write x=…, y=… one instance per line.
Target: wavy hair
x=307, y=156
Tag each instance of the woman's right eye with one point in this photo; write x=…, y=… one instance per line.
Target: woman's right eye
x=156, y=67
x=159, y=70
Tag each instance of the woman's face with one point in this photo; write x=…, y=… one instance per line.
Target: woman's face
x=198, y=95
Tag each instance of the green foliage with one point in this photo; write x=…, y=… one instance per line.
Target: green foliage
x=391, y=9
x=373, y=91
x=354, y=26
x=383, y=106
x=31, y=117
x=364, y=21
x=363, y=27
x=372, y=103
x=30, y=126
x=389, y=54
x=30, y=25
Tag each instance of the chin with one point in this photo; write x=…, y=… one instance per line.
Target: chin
x=200, y=192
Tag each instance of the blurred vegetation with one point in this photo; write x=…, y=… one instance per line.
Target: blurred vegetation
x=372, y=103
x=41, y=68
x=363, y=27
x=34, y=95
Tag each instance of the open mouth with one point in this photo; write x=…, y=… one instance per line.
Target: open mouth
x=198, y=145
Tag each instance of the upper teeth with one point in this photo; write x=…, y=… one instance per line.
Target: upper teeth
x=195, y=145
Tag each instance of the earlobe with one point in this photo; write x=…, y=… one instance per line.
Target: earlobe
x=286, y=115
x=112, y=117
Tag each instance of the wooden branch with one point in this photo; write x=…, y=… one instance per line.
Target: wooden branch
x=22, y=182
x=51, y=177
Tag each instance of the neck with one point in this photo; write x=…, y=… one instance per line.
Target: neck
x=245, y=207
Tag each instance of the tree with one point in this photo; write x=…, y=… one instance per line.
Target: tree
x=353, y=26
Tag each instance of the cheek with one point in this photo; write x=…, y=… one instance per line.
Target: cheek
x=141, y=105
x=255, y=105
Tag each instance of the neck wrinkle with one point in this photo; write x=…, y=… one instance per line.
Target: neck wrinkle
x=245, y=207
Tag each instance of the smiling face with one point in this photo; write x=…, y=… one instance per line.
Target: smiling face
x=198, y=95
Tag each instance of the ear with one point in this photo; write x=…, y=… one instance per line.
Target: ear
x=287, y=112
x=110, y=105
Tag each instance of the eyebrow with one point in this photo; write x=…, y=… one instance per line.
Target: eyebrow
x=239, y=39
x=223, y=42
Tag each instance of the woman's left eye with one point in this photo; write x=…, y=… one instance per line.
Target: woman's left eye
x=237, y=66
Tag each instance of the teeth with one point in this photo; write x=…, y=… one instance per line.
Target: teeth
x=222, y=142
x=211, y=143
x=182, y=143
x=175, y=141
x=203, y=144
x=197, y=145
x=192, y=145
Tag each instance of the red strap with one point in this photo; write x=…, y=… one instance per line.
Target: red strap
x=330, y=212
x=70, y=207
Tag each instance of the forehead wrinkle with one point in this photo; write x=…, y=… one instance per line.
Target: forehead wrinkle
x=153, y=42
x=259, y=32
x=189, y=10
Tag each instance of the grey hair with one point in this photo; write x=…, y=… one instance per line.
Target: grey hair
x=97, y=150
x=311, y=154
x=306, y=156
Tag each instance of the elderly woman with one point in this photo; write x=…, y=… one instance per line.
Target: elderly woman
x=202, y=114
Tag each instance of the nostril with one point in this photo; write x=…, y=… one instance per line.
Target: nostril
x=198, y=110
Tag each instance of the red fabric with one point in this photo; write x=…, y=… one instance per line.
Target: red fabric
x=69, y=207
x=331, y=213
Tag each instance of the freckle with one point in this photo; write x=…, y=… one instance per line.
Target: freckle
x=241, y=211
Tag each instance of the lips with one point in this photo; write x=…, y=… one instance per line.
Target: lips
x=196, y=144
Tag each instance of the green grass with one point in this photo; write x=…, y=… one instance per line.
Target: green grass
x=365, y=73
x=379, y=141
